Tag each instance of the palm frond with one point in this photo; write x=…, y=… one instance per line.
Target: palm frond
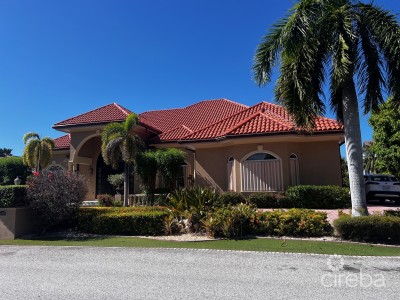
x=30, y=135
x=111, y=151
x=30, y=153
x=385, y=30
x=111, y=131
x=131, y=121
x=370, y=76
x=267, y=53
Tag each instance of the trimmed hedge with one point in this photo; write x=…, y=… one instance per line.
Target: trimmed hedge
x=317, y=197
x=294, y=222
x=10, y=168
x=391, y=213
x=370, y=229
x=229, y=198
x=13, y=196
x=123, y=220
x=264, y=200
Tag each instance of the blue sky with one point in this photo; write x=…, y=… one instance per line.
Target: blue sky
x=62, y=58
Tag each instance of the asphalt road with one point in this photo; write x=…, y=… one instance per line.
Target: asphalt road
x=128, y=273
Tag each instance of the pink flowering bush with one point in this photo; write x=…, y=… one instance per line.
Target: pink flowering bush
x=56, y=196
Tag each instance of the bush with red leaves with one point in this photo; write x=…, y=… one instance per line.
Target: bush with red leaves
x=56, y=196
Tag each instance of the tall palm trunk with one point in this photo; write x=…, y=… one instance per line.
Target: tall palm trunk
x=352, y=134
x=126, y=185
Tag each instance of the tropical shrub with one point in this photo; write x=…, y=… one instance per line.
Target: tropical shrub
x=322, y=197
x=56, y=196
x=392, y=213
x=192, y=203
x=146, y=167
x=228, y=198
x=294, y=222
x=370, y=229
x=13, y=196
x=117, y=180
x=264, y=199
x=231, y=221
x=170, y=163
x=10, y=168
x=123, y=220
x=105, y=200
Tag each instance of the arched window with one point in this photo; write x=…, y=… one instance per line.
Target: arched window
x=261, y=171
x=294, y=169
x=229, y=167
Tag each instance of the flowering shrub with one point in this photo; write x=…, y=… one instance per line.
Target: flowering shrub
x=56, y=196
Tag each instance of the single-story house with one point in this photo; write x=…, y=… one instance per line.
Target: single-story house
x=229, y=146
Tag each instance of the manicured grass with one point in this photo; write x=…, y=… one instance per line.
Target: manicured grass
x=258, y=244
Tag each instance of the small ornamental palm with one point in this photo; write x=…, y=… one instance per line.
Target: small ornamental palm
x=348, y=41
x=37, y=152
x=120, y=143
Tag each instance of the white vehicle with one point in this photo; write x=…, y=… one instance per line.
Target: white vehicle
x=382, y=187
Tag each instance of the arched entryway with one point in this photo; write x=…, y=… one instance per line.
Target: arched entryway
x=102, y=173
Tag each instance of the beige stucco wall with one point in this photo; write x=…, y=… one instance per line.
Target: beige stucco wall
x=16, y=222
x=319, y=162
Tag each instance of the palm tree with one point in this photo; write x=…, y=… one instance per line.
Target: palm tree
x=348, y=41
x=4, y=152
x=369, y=158
x=37, y=152
x=120, y=143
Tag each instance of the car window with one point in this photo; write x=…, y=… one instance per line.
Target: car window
x=365, y=178
x=380, y=178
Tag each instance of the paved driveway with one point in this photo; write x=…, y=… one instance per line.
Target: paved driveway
x=128, y=273
x=333, y=214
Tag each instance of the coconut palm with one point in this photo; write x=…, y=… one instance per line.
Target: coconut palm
x=351, y=43
x=119, y=142
x=38, y=151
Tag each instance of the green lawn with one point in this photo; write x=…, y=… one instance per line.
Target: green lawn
x=257, y=244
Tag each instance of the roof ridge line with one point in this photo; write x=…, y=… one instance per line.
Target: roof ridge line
x=280, y=120
x=220, y=121
x=123, y=109
x=258, y=112
x=177, y=127
x=66, y=120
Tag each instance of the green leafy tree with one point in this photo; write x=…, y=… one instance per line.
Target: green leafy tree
x=146, y=168
x=119, y=142
x=370, y=158
x=345, y=172
x=4, y=152
x=38, y=151
x=10, y=168
x=386, y=138
x=170, y=162
x=351, y=43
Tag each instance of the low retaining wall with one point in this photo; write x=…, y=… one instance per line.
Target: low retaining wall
x=15, y=222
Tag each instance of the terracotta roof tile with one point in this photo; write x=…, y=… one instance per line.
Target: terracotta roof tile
x=261, y=118
x=194, y=117
x=108, y=113
x=209, y=119
x=63, y=142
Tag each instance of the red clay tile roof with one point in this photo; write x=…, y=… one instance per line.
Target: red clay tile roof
x=193, y=117
x=209, y=119
x=258, y=119
x=108, y=113
x=63, y=142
